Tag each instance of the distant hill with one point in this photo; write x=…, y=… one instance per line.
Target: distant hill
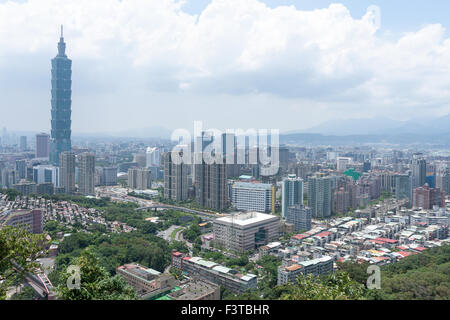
x=382, y=126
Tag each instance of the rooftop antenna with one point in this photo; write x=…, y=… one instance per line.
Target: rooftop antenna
x=62, y=32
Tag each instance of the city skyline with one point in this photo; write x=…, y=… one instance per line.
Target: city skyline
x=322, y=65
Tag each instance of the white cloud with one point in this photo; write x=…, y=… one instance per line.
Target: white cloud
x=236, y=47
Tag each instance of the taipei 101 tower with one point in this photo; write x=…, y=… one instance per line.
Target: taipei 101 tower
x=61, y=103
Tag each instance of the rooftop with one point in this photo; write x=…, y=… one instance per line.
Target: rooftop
x=247, y=218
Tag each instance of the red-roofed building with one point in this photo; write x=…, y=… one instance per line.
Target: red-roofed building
x=405, y=254
x=177, y=259
x=300, y=236
x=323, y=234
x=391, y=241
x=323, y=237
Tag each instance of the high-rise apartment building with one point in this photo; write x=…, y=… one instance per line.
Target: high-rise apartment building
x=342, y=163
x=86, y=172
x=21, y=169
x=42, y=145
x=108, y=176
x=319, y=196
x=419, y=171
x=292, y=193
x=175, y=178
x=300, y=216
x=139, y=178
x=403, y=187
x=67, y=171
x=426, y=197
x=61, y=103
x=211, y=185
x=46, y=174
x=153, y=157
x=443, y=181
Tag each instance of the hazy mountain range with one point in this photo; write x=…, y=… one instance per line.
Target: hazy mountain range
x=434, y=131
x=381, y=126
x=370, y=130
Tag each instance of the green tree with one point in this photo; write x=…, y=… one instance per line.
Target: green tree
x=20, y=247
x=27, y=293
x=336, y=286
x=95, y=282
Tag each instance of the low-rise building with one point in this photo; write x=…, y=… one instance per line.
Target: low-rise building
x=319, y=266
x=213, y=272
x=146, y=281
x=197, y=289
x=30, y=220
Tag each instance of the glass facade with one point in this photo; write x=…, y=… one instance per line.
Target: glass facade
x=61, y=103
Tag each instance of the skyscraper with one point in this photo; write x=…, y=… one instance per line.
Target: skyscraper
x=42, y=145
x=61, y=102
x=211, y=185
x=21, y=169
x=175, y=179
x=403, y=184
x=319, y=196
x=419, y=171
x=67, y=171
x=292, y=193
x=139, y=178
x=23, y=143
x=86, y=171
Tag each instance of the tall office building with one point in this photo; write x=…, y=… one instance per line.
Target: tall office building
x=42, y=145
x=319, y=196
x=419, y=171
x=175, y=179
x=23, y=143
x=67, y=171
x=61, y=103
x=259, y=197
x=86, y=171
x=292, y=193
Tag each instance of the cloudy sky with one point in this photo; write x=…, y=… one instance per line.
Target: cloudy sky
x=284, y=64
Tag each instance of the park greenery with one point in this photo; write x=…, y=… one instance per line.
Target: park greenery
x=424, y=276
